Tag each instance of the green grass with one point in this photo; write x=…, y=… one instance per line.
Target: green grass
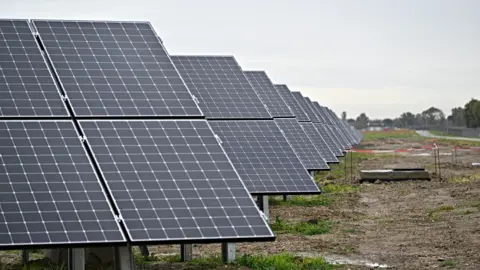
x=389, y=134
x=283, y=261
x=312, y=200
x=464, y=178
x=448, y=263
x=313, y=227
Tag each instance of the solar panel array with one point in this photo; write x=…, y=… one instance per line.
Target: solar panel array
x=127, y=154
x=27, y=87
x=169, y=180
x=221, y=87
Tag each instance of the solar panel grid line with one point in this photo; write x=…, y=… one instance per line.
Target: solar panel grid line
x=263, y=157
x=268, y=94
x=292, y=103
x=301, y=144
x=221, y=87
x=177, y=198
x=115, y=69
x=319, y=142
x=56, y=197
x=27, y=88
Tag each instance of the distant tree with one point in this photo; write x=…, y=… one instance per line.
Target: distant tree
x=362, y=121
x=351, y=121
x=387, y=122
x=407, y=119
x=419, y=120
x=344, y=115
x=433, y=115
x=398, y=123
x=472, y=113
x=457, y=118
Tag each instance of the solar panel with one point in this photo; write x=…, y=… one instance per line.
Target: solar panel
x=268, y=94
x=292, y=103
x=332, y=143
x=301, y=101
x=263, y=157
x=221, y=87
x=27, y=87
x=329, y=126
x=301, y=144
x=318, y=141
x=49, y=192
x=172, y=181
x=115, y=69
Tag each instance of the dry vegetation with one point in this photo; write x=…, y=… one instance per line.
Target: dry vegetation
x=404, y=225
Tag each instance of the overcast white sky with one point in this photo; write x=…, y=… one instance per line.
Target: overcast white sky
x=382, y=57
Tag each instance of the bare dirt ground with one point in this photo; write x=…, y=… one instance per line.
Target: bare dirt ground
x=403, y=225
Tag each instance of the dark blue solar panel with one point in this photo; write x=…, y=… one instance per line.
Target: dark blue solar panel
x=27, y=87
x=263, y=157
x=172, y=181
x=301, y=144
x=291, y=102
x=49, y=192
x=115, y=69
x=268, y=94
x=221, y=87
x=318, y=141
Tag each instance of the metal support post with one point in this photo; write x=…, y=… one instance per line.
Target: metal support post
x=186, y=252
x=262, y=203
x=144, y=251
x=124, y=258
x=76, y=259
x=228, y=252
x=25, y=258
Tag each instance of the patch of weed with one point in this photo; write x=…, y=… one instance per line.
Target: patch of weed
x=284, y=261
x=339, y=188
x=448, y=263
x=464, y=178
x=434, y=213
x=313, y=200
x=312, y=227
x=349, y=231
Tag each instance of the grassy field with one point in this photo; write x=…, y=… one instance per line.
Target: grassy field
x=389, y=134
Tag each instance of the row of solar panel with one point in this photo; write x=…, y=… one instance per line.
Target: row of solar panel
x=169, y=180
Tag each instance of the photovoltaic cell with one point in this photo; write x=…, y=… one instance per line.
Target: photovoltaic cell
x=115, y=69
x=27, y=87
x=302, y=102
x=292, y=103
x=318, y=141
x=172, y=181
x=49, y=192
x=221, y=87
x=301, y=144
x=263, y=157
x=268, y=94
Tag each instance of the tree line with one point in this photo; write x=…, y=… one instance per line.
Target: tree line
x=466, y=116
